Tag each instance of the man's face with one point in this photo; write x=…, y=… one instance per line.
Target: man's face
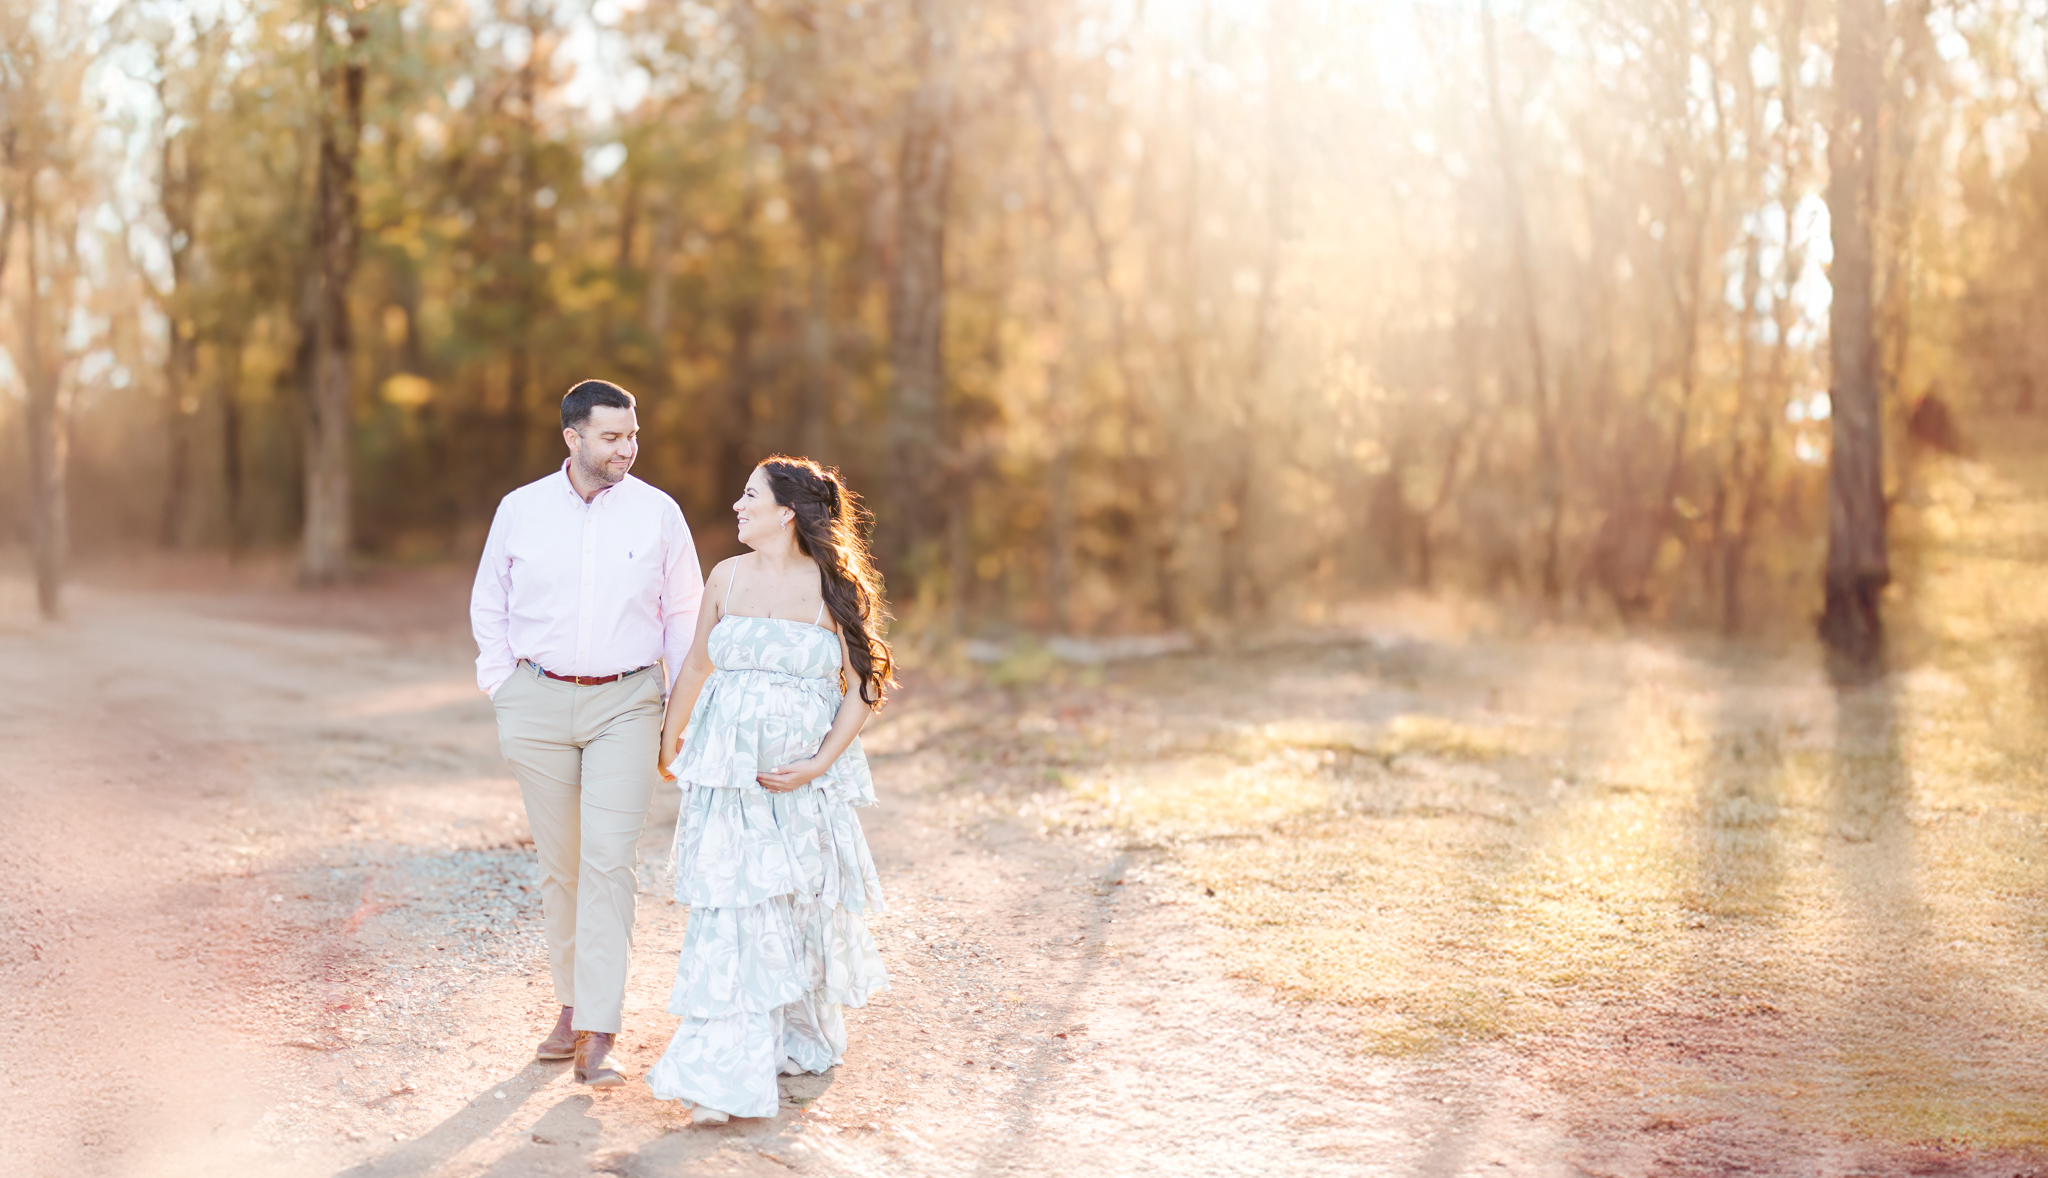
x=605, y=447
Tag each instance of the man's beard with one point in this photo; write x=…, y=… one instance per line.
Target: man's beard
x=600, y=474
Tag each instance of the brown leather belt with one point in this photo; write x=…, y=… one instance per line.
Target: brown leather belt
x=587, y=680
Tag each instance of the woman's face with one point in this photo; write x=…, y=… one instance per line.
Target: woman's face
x=762, y=519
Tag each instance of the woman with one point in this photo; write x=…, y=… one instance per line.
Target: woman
x=786, y=667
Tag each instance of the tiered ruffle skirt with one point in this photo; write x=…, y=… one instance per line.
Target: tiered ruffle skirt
x=779, y=888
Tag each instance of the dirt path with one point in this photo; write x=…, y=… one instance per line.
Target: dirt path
x=1385, y=899
x=268, y=912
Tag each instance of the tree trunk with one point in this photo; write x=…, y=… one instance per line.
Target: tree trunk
x=1857, y=566
x=326, y=541
x=1059, y=418
x=660, y=254
x=178, y=188
x=1152, y=539
x=1550, y=466
x=815, y=406
x=8, y=203
x=737, y=450
x=180, y=416
x=529, y=424
x=49, y=437
x=917, y=296
x=1733, y=482
x=959, y=507
x=231, y=445
x=1241, y=592
x=1738, y=481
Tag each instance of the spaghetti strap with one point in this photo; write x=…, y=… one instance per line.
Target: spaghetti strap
x=820, y=619
x=725, y=607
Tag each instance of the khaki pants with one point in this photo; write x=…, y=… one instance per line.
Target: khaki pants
x=584, y=757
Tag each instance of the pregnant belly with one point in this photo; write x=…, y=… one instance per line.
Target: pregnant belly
x=790, y=723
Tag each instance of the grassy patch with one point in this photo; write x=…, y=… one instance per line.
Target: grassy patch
x=1681, y=875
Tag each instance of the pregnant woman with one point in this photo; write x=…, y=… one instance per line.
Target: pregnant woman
x=786, y=666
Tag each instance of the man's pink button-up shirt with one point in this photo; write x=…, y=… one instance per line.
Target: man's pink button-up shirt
x=579, y=588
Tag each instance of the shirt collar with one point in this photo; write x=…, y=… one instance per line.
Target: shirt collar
x=569, y=486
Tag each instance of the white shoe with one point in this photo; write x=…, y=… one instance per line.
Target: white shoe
x=708, y=1116
x=791, y=1067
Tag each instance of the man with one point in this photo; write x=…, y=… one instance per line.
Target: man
x=589, y=583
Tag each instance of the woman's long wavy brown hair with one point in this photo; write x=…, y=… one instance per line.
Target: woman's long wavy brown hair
x=831, y=529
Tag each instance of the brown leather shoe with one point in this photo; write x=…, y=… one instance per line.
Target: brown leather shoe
x=593, y=1060
x=561, y=1042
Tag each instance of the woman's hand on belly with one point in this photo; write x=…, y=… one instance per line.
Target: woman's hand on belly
x=794, y=775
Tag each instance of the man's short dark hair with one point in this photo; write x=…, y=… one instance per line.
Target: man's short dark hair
x=576, y=406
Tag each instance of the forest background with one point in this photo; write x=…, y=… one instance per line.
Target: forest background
x=1124, y=316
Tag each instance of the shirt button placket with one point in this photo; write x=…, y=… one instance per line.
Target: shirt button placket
x=585, y=613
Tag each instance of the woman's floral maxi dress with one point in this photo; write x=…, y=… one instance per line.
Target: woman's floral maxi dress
x=778, y=885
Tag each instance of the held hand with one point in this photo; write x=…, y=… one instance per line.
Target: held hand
x=671, y=745
x=791, y=776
